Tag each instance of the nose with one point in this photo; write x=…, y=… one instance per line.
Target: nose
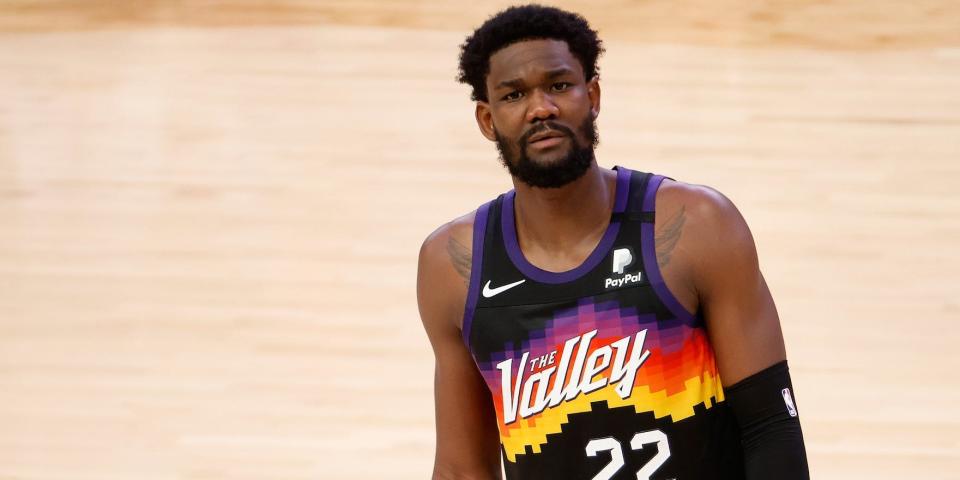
x=541, y=107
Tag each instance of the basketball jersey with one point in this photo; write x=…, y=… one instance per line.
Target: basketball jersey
x=597, y=372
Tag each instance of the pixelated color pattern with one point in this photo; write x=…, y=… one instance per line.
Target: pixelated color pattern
x=679, y=373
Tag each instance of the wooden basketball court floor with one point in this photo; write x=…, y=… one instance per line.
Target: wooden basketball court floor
x=210, y=214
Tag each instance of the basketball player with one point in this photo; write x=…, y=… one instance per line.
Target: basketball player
x=595, y=323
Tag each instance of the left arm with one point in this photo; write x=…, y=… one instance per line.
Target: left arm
x=741, y=317
x=719, y=260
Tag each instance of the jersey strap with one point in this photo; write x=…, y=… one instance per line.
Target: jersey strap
x=476, y=268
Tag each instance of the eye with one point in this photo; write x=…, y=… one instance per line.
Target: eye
x=514, y=95
x=561, y=86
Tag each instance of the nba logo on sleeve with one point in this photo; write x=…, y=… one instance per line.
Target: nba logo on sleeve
x=788, y=399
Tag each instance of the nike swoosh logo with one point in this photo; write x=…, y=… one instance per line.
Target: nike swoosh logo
x=489, y=292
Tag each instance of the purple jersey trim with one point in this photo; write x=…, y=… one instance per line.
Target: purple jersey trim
x=648, y=247
x=476, y=263
x=508, y=226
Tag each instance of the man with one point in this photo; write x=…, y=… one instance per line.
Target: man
x=582, y=322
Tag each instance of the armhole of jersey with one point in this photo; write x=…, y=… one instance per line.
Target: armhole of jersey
x=649, y=248
x=476, y=264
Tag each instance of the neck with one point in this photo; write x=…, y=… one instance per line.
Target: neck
x=557, y=228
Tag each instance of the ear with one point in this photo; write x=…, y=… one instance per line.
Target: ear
x=485, y=121
x=593, y=91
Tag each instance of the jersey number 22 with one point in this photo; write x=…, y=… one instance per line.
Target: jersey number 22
x=636, y=443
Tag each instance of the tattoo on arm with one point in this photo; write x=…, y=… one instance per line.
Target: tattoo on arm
x=667, y=236
x=461, y=257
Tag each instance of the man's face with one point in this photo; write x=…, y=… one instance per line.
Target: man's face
x=540, y=111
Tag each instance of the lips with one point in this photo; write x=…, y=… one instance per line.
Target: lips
x=544, y=135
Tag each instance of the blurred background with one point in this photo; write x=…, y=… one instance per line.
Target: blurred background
x=210, y=213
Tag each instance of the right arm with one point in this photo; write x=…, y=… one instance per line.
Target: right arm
x=468, y=443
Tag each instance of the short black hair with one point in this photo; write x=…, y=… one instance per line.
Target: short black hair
x=526, y=22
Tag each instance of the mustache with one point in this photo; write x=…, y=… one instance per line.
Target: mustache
x=542, y=127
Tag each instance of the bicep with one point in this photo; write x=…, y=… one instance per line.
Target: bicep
x=468, y=444
x=744, y=328
x=741, y=316
x=467, y=438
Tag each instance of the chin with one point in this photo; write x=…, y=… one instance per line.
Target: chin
x=547, y=159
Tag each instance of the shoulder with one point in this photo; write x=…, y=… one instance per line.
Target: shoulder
x=715, y=236
x=443, y=270
x=702, y=204
x=449, y=245
x=705, y=210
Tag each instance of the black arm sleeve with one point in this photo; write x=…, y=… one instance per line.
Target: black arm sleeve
x=766, y=411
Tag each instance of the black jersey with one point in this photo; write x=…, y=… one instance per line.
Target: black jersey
x=597, y=372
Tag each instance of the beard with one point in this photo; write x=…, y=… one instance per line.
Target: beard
x=557, y=173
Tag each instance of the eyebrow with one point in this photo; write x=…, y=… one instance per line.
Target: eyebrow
x=517, y=82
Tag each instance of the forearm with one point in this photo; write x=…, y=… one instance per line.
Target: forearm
x=770, y=425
